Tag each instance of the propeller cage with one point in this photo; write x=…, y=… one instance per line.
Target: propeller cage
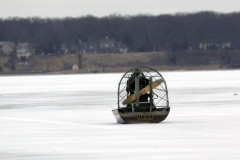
x=155, y=98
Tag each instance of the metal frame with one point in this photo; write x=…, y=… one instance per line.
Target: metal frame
x=161, y=92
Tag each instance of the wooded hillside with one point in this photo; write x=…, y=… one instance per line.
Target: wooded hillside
x=141, y=33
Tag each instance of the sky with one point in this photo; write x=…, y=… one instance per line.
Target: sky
x=101, y=8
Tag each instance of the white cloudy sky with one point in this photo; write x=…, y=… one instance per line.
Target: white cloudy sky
x=100, y=8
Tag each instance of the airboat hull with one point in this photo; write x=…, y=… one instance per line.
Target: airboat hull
x=141, y=117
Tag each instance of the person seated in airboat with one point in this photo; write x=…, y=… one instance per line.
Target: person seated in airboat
x=142, y=97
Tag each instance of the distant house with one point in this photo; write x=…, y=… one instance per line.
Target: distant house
x=214, y=46
x=102, y=46
x=226, y=45
x=74, y=48
x=7, y=48
x=64, y=48
x=106, y=45
x=24, y=51
x=92, y=47
x=83, y=47
x=69, y=48
x=120, y=47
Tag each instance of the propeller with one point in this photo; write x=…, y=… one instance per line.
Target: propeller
x=143, y=91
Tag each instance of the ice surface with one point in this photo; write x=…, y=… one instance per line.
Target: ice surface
x=69, y=117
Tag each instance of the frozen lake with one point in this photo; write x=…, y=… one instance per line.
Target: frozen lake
x=69, y=117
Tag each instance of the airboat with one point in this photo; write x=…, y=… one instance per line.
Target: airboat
x=142, y=97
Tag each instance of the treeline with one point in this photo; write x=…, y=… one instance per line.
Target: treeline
x=141, y=33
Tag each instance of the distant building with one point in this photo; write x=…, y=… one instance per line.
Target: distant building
x=69, y=48
x=75, y=67
x=83, y=47
x=64, y=48
x=226, y=45
x=24, y=51
x=111, y=46
x=7, y=48
x=120, y=47
x=102, y=46
x=214, y=46
x=106, y=45
x=92, y=47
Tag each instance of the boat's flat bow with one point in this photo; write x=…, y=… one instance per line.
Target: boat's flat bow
x=141, y=117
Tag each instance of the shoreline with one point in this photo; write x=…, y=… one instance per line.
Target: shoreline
x=122, y=70
x=115, y=63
